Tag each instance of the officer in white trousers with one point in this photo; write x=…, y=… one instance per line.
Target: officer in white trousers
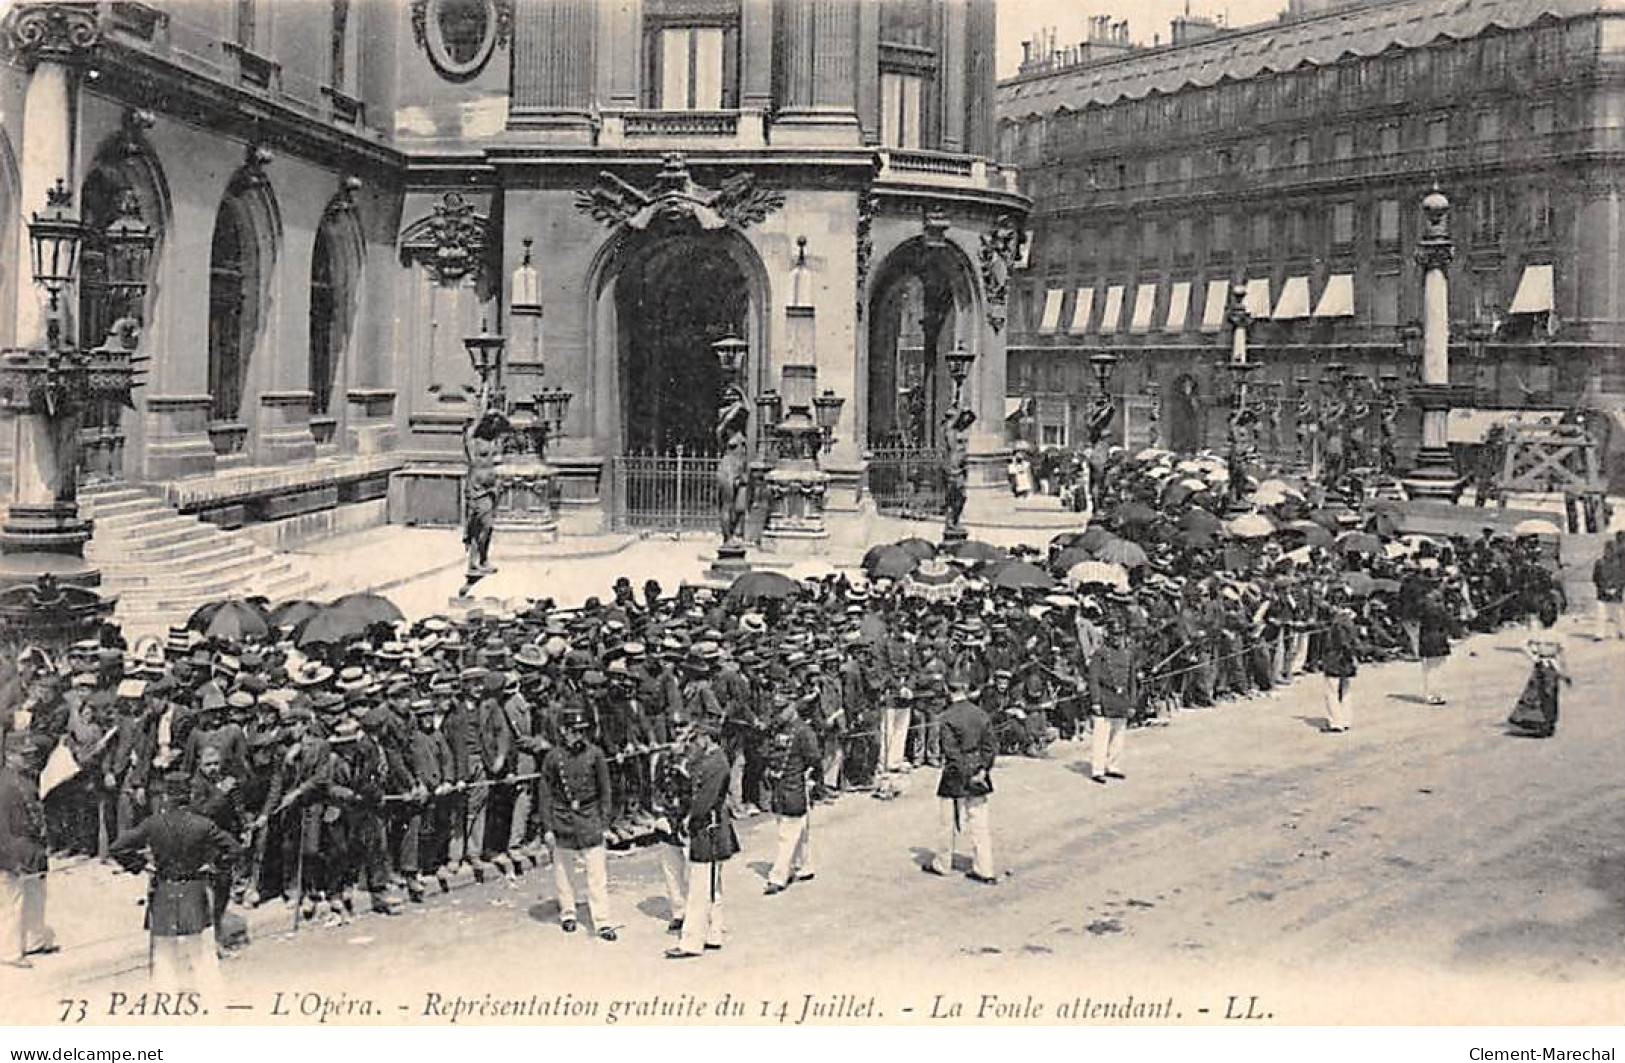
x=1114, y=689
x=968, y=751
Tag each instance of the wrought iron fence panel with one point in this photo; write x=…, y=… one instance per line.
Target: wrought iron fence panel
x=908, y=481
x=671, y=492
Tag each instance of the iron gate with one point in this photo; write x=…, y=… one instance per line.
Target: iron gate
x=671, y=492
x=908, y=481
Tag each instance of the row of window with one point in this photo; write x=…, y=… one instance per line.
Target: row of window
x=1488, y=61
x=1482, y=218
x=1377, y=141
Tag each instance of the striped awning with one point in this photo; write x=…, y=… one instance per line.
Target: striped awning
x=1145, y=303
x=1052, y=310
x=1534, y=294
x=1337, y=298
x=1112, y=311
x=1179, y=304
x=1218, y=293
x=1294, y=301
x=1083, y=306
x=1258, y=297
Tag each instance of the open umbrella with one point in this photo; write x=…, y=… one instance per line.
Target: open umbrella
x=1195, y=538
x=329, y=626
x=1177, y=492
x=1413, y=542
x=372, y=608
x=1095, y=538
x=1072, y=555
x=235, y=621
x=759, y=585
x=1326, y=518
x=918, y=547
x=1359, y=543
x=1152, y=454
x=935, y=580
x=1122, y=552
x=1251, y=526
x=1311, y=533
x=1385, y=586
x=890, y=562
x=1382, y=524
x=1535, y=526
x=974, y=550
x=1201, y=520
x=290, y=613
x=1101, y=573
x=1021, y=574
x=1135, y=513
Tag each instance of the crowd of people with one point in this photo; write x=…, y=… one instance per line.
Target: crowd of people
x=377, y=757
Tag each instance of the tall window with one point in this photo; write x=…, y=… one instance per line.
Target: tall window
x=338, y=47
x=1342, y=224
x=1487, y=216
x=1439, y=132
x=228, y=299
x=324, y=306
x=1343, y=145
x=1388, y=222
x=902, y=109
x=1388, y=139
x=693, y=55
x=1540, y=214
x=246, y=17
x=1261, y=231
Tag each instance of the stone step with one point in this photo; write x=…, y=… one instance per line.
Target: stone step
x=216, y=559
x=230, y=579
x=168, y=543
x=107, y=496
x=121, y=506
x=145, y=522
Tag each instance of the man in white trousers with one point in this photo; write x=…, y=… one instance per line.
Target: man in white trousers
x=792, y=765
x=575, y=791
x=968, y=752
x=1338, y=664
x=712, y=842
x=673, y=791
x=1114, y=688
x=22, y=858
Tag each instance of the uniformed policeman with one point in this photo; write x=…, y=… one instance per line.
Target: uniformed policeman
x=968, y=753
x=575, y=781
x=711, y=841
x=792, y=765
x=1112, y=686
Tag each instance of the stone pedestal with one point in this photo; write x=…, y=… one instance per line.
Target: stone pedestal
x=526, y=515
x=1435, y=476
x=795, y=514
x=730, y=564
x=284, y=429
x=177, y=430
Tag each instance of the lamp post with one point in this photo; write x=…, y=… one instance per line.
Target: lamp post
x=46, y=586
x=1435, y=475
x=956, y=445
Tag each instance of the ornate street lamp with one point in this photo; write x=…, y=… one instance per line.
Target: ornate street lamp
x=129, y=242
x=53, y=243
x=959, y=362
x=485, y=355
x=1100, y=418
x=827, y=407
x=769, y=411
x=730, y=352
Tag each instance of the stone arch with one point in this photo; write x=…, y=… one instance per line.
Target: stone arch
x=937, y=278
x=12, y=261
x=607, y=412
x=337, y=259
x=243, y=253
x=124, y=163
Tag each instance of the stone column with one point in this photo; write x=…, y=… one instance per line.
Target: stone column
x=820, y=105
x=554, y=60
x=620, y=43
x=43, y=531
x=756, y=55
x=951, y=69
x=1435, y=475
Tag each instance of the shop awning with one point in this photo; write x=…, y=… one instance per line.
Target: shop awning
x=1179, y=304
x=1012, y=407
x=1258, y=297
x=1534, y=294
x=1294, y=301
x=1218, y=292
x=1112, y=310
x=1145, y=302
x=1083, y=306
x=1337, y=299
x=1052, y=310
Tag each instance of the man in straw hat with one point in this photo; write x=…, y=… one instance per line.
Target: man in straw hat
x=184, y=848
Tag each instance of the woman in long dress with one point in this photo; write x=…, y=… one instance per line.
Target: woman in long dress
x=1536, y=712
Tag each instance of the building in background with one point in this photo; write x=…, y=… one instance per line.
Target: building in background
x=343, y=190
x=1291, y=157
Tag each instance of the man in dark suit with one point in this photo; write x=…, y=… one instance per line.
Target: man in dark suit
x=711, y=841
x=22, y=855
x=1114, y=689
x=575, y=795
x=968, y=752
x=184, y=848
x=792, y=765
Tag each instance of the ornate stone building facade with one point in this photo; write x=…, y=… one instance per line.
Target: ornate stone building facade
x=1292, y=157
x=343, y=190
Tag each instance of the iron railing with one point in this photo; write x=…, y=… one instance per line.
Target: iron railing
x=908, y=481
x=670, y=492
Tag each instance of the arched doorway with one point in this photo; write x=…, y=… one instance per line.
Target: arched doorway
x=242, y=252
x=1184, y=419
x=661, y=299
x=335, y=265
x=921, y=306
x=675, y=300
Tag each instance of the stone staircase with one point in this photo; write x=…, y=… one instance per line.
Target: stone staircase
x=162, y=565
